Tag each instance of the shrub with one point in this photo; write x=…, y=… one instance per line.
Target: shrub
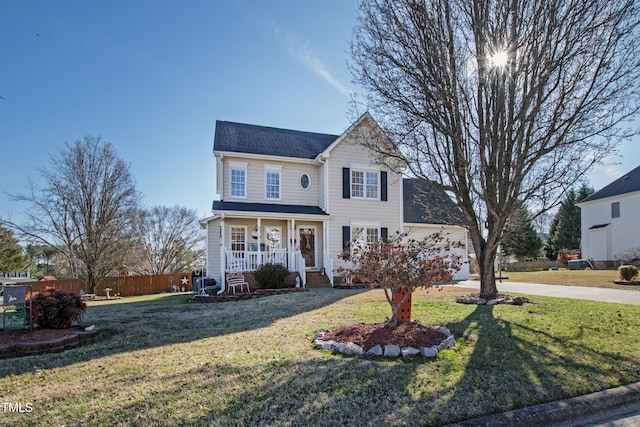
x=57, y=309
x=627, y=272
x=271, y=276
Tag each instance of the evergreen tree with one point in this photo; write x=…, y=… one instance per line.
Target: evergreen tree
x=520, y=237
x=565, y=228
x=11, y=257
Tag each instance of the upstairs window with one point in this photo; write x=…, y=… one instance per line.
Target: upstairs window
x=364, y=185
x=238, y=181
x=615, y=210
x=272, y=182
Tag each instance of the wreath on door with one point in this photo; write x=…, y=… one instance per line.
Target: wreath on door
x=306, y=241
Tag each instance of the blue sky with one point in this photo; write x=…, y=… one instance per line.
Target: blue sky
x=153, y=76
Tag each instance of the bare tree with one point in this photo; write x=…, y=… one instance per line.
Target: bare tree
x=400, y=263
x=85, y=209
x=169, y=239
x=498, y=101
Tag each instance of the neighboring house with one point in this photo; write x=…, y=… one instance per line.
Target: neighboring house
x=297, y=198
x=610, y=229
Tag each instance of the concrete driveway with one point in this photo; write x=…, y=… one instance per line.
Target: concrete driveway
x=575, y=292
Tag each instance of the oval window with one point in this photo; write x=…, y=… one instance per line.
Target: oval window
x=305, y=181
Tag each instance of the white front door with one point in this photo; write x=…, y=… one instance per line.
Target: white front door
x=307, y=244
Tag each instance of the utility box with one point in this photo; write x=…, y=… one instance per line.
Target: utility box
x=579, y=264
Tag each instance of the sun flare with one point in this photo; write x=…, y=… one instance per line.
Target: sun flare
x=499, y=59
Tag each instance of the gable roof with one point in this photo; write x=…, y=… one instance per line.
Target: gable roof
x=627, y=183
x=253, y=139
x=427, y=204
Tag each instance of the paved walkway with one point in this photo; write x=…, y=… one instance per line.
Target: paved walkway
x=576, y=292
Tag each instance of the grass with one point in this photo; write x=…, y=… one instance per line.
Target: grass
x=168, y=362
x=592, y=278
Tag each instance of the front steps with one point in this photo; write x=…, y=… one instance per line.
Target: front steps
x=317, y=280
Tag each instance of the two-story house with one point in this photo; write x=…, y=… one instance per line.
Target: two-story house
x=610, y=231
x=297, y=198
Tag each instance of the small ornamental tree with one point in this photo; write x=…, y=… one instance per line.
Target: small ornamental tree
x=399, y=263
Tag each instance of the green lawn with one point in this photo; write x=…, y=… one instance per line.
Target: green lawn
x=168, y=362
x=593, y=278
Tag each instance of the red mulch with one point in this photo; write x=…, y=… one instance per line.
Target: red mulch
x=408, y=334
x=9, y=337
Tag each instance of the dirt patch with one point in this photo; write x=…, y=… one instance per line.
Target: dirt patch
x=408, y=334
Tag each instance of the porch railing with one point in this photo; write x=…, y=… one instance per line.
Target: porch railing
x=299, y=260
x=328, y=267
x=251, y=260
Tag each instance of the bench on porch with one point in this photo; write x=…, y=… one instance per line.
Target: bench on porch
x=236, y=279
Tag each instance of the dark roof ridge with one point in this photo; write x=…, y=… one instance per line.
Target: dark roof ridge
x=270, y=141
x=627, y=183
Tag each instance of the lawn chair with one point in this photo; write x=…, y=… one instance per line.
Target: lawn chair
x=236, y=279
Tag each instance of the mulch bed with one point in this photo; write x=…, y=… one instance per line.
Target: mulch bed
x=406, y=334
x=40, y=341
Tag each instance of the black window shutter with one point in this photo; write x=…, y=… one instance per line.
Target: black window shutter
x=346, y=183
x=384, y=233
x=346, y=240
x=383, y=186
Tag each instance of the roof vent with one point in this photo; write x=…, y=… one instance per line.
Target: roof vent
x=625, y=178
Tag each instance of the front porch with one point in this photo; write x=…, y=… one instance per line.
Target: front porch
x=250, y=261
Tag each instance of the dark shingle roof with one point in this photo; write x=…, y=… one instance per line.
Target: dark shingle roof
x=252, y=139
x=628, y=183
x=219, y=205
x=428, y=204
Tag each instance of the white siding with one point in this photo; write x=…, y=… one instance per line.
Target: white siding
x=623, y=233
x=344, y=212
x=291, y=192
x=213, y=250
x=322, y=193
x=454, y=234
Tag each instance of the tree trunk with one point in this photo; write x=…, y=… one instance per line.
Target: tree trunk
x=399, y=300
x=488, y=288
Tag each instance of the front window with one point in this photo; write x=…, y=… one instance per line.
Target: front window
x=615, y=210
x=238, y=183
x=238, y=238
x=364, y=184
x=363, y=236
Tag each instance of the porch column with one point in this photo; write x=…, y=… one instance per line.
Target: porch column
x=292, y=244
x=223, y=265
x=259, y=260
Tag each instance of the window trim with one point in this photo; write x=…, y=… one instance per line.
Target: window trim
x=237, y=166
x=232, y=242
x=615, y=210
x=277, y=170
x=365, y=227
x=366, y=173
x=308, y=184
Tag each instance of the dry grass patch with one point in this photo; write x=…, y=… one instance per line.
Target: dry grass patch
x=592, y=278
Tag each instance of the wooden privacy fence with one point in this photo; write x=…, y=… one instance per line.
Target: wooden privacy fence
x=125, y=286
